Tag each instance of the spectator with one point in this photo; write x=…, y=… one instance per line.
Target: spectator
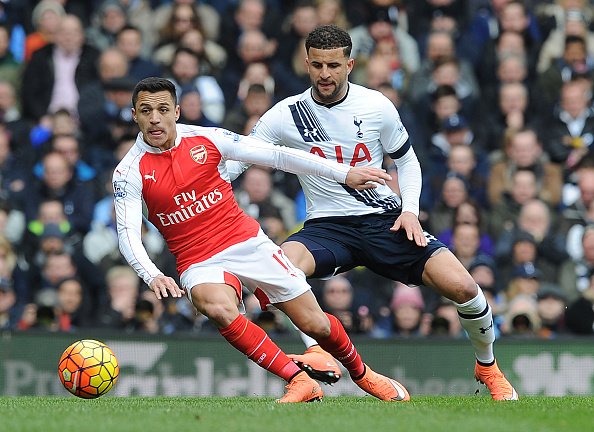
x=512, y=112
x=129, y=42
x=470, y=212
x=9, y=310
x=50, y=212
x=574, y=274
x=123, y=289
x=107, y=22
x=382, y=22
x=185, y=72
x=10, y=69
x=46, y=20
x=521, y=318
x=244, y=18
x=453, y=193
x=58, y=182
x=339, y=299
x=454, y=149
x=525, y=152
x=57, y=72
x=551, y=310
x=256, y=73
x=169, y=15
x=14, y=179
x=406, y=319
x=446, y=71
x=573, y=64
x=257, y=195
x=104, y=104
x=579, y=316
x=488, y=23
x=13, y=275
x=573, y=24
x=332, y=12
x=73, y=311
x=190, y=105
x=465, y=243
x=69, y=147
x=535, y=219
x=12, y=222
x=445, y=321
x=579, y=211
x=180, y=18
x=299, y=22
x=408, y=118
x=441, y=44
x=571, y=128
x=256, y=103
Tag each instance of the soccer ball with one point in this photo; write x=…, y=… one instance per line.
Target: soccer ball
x=88, y=369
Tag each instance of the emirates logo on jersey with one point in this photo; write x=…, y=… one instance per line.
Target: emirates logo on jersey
x=199, y=154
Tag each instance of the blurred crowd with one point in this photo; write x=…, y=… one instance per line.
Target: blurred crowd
x=496, y=96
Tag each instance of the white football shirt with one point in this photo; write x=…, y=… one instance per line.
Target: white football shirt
x=356, y=131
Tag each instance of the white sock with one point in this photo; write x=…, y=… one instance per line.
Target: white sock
x=477, y=319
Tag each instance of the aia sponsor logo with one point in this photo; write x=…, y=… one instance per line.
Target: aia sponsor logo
x=199, y=154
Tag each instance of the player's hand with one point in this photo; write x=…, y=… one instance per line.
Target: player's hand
x=410, y=223
x=162, y=285
x=359, y=177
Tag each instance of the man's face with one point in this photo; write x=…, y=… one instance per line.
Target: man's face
x=328, y=72
x=156, y=115
x=70, y=37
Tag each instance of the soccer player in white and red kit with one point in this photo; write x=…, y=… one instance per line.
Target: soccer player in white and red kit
x=375, y=228
x=178, y=172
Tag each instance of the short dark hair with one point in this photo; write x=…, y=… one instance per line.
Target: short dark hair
x=154, y=85
x=328, y=37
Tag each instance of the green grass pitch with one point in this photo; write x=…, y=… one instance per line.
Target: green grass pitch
x=261, y=414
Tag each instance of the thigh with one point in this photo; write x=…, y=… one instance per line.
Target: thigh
x=258, y=264
x=218, y=302
x=445, y=274
x=392, y=255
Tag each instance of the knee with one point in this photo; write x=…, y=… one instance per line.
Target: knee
x=219, y=313
x=465, y=288
x=317, y=327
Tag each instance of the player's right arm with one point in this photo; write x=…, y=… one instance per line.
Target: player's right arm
x=127, y=186
x=264, y=133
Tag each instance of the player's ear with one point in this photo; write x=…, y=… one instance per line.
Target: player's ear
x=350, y=65
x=134, y=115
x=177, y=112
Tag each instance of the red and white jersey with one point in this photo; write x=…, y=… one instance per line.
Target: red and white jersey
x=188, y=195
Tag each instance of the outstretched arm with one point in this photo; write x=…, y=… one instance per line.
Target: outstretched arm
x=250, y=150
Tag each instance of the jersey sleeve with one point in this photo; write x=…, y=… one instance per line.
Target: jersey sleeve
x=393, y=134
x=252, y=150
x=396, y=143
x=127, y=189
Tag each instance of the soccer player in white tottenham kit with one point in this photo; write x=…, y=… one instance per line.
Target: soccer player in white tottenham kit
x=375, y=228
x=178, y=172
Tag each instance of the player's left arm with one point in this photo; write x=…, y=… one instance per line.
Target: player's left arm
x=396, y=142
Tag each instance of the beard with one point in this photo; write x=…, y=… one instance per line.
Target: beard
x=327, y=97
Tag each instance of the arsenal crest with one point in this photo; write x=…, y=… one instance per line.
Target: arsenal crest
x=199, y=154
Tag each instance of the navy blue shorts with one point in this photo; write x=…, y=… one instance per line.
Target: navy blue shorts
x=341, y=243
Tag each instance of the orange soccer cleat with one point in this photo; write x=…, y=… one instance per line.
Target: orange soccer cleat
x=495, y=381
x=382, y=387
x=318, y=364
x=302, y=388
